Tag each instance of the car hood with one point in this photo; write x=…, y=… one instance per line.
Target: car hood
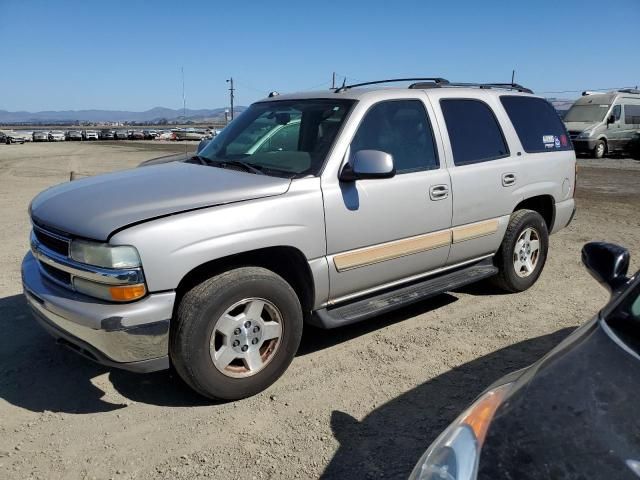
x=580, y=126
x=97, y=206
x=570, y=414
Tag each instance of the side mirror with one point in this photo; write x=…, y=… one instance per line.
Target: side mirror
x=368, y=164
x=611, y=119
x=607, y=263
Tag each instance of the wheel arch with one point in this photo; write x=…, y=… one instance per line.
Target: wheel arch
x=543, y=204
x=286, y=261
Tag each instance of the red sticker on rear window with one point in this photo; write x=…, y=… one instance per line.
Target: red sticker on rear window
x=563, y=140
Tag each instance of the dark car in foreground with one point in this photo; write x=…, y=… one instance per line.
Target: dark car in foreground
x=571, y=415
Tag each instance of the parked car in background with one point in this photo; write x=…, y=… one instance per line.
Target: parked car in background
x=121, y=135
x=190, y=134
x=150, y=134
x=107, y=134
x=90, y=135
x=40, y=136
x=166, y=135
x=73, y=135
x=27, y=135
x=11, y=137
x=567, y=416
x=136, y=135
x=601, y=123
x=56, y=136
x=213, y=265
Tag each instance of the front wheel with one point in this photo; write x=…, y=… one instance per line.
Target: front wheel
x=600, y=149
x=523, y=252
x=236, y=333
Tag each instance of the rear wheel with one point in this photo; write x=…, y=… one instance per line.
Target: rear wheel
x=600, y=149
x=236, y=333
x=523, y=252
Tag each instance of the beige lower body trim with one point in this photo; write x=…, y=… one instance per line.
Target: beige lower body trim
x=388, y=251
x=474, y=230
x=362, y=257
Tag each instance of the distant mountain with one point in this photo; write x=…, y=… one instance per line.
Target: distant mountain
x=151, y=115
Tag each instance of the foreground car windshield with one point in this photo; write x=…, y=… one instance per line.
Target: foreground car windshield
x=289, y=136
x=625, y=319
x=586, y=113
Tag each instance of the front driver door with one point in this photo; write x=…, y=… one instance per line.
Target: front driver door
x=385, y=230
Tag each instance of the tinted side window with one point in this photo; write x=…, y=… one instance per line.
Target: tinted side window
x=402, y=129
x=537, y=124
x=632, y=114
x=473, y=130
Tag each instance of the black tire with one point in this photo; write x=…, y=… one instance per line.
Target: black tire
x=508, y=279
x=600, y=149
x=199, y=312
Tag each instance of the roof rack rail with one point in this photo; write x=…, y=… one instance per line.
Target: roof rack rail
x=629, y=90
x=436, y=80
x=505, y=86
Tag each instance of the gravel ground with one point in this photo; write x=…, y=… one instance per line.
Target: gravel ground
x=360, y=402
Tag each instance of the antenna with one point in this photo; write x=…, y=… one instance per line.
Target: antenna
x=513, y=76
x=184, y=106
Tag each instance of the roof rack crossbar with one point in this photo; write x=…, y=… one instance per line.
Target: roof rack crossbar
x=436, y=80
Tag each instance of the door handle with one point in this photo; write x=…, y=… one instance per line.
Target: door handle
x=438, y=192
x=508, y=179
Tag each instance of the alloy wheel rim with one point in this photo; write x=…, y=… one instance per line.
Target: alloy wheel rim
x=526, y=252
x=246, y=337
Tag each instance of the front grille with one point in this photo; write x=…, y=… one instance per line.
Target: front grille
x=59, y=275
x=573, y=135
x=52, y=242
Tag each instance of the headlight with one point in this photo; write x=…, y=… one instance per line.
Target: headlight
x=455, y=454
x=112, y=293
x=585, y=134
x=104, y=255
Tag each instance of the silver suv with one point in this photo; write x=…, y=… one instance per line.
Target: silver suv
x=322, y=208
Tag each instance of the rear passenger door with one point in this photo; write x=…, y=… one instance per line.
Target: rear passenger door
x=496, y=164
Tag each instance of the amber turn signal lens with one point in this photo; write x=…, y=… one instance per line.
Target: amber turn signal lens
x=128, y=292
x=482, y=412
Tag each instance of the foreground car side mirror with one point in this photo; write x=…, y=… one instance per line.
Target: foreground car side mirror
x=607, y=263
x=611, y=120
x=368, y=164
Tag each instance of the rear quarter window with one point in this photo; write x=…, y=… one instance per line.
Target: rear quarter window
x=537, y=124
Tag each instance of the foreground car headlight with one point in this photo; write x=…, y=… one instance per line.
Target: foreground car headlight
x=104, y=255
x=455, y=454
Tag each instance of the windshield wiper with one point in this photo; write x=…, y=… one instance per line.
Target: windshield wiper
x=239, y=163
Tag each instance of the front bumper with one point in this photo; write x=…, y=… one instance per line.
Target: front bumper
x=132, y=336
x=584, y=145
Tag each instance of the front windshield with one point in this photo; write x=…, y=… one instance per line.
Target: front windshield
x=290, y=137
x=586, y=113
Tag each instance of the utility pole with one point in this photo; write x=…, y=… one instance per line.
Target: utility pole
x=231, y=90
x=333, y=81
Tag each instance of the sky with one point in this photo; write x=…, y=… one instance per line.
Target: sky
x=128, y=55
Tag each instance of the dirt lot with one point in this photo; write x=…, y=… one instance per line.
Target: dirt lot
x=360, y=402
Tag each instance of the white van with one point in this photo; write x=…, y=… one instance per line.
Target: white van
x=601, y=123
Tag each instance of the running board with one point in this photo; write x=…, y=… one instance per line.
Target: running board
x=389, y=300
